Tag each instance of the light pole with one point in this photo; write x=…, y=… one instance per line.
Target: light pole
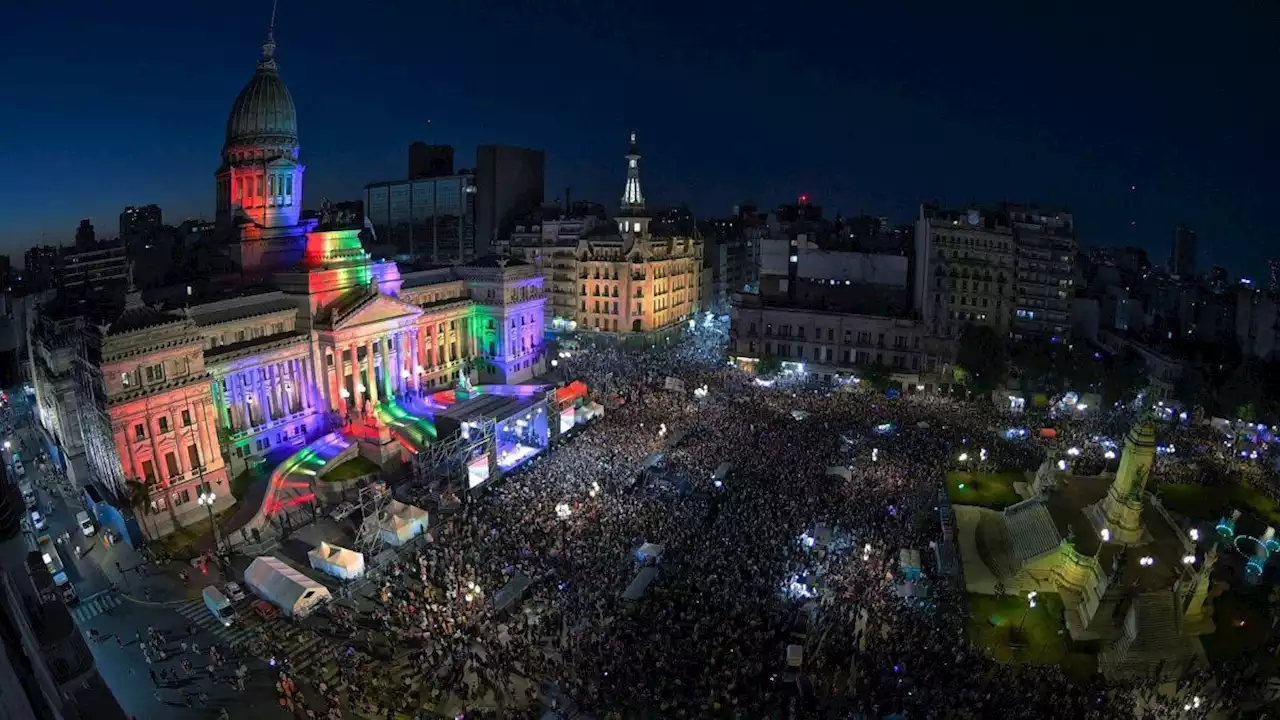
x=206, y=499
x=1031, y=602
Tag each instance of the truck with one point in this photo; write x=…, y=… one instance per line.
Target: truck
x=53, y=562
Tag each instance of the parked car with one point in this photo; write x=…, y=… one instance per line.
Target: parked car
x=85, y=523
x=265, y=610
x=233, y=591
x=37, y=520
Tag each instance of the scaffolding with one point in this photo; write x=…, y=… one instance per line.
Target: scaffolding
x=375, y=501
x=443, y=465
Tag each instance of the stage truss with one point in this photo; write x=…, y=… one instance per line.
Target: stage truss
x=375, y=500
x=443, y=465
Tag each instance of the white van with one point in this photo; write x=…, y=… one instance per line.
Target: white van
x=86, y=525
x=219, y=605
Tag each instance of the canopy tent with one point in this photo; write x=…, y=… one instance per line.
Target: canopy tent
x=291, y=591
x=640, y=584
x=652, y=460
x=649, y=551
x=337, y=561
x=403, y=523
x=511, y=592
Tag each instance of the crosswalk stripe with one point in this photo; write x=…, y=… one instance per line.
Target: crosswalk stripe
x=88, y=610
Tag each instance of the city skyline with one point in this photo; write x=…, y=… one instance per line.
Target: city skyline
x=1059, y=129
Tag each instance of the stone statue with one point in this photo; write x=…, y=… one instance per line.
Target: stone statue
x=326, y=211
x=464, y=377
x=1210, y=560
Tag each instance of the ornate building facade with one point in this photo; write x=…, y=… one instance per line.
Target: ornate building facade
x=174, y=402
x=616, y=278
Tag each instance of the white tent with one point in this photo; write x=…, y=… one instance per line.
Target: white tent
x=337, y=561
x=291, y=591
x=403, y=523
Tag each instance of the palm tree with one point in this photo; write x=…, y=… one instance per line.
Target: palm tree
x=139, y=500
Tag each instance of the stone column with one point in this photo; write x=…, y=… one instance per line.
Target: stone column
x=418, y=359
x=356, y=393
x=333, y=375
x=243, y=382
x=388, y=367
x=400, y=358
x=133, y=461
x=300, y=384
x=371, y=361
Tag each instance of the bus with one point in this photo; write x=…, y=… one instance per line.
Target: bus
x=53, y=562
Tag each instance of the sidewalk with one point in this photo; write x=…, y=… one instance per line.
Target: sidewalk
x=149, y=584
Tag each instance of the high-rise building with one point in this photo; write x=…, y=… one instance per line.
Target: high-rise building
x=430, y=161
x=832, y=314
x=800, y=211
x=430, y=218
x=137, y=220
x=85, y=236
x=40, y=265
x=509, y=184
x=93, y=269
x=964, y=270
x=1182, y=262
x=1045, y=261
x=1273, y=275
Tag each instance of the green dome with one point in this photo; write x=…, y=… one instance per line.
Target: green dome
x=263, y=113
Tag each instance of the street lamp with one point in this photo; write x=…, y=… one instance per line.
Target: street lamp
x=1031, y=602
x=206, y=499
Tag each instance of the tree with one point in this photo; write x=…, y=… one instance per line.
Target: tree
x=981, y=357
x=138, y=499
x=1081, y=369
x=1190, y=388
x=1036, y=365
x=769, y=364
x=877, y=377
x=1124, y=378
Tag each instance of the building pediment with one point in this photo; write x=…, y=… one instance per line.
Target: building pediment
x=376, y=308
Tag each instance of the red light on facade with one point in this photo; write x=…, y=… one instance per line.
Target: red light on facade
x=804, y=198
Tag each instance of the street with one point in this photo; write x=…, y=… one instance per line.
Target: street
x=146, y=598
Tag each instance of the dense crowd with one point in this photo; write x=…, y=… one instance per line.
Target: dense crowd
x=778, y=551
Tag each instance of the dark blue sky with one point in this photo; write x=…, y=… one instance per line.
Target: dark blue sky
x=864, y=107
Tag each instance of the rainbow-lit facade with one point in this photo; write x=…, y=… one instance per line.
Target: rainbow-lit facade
x=346, y=346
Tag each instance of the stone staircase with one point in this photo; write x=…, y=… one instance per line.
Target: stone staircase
x=1152, y=641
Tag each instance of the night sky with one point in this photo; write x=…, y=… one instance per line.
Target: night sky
x=863, y=106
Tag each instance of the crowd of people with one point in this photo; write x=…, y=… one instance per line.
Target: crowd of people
x=740, y=574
